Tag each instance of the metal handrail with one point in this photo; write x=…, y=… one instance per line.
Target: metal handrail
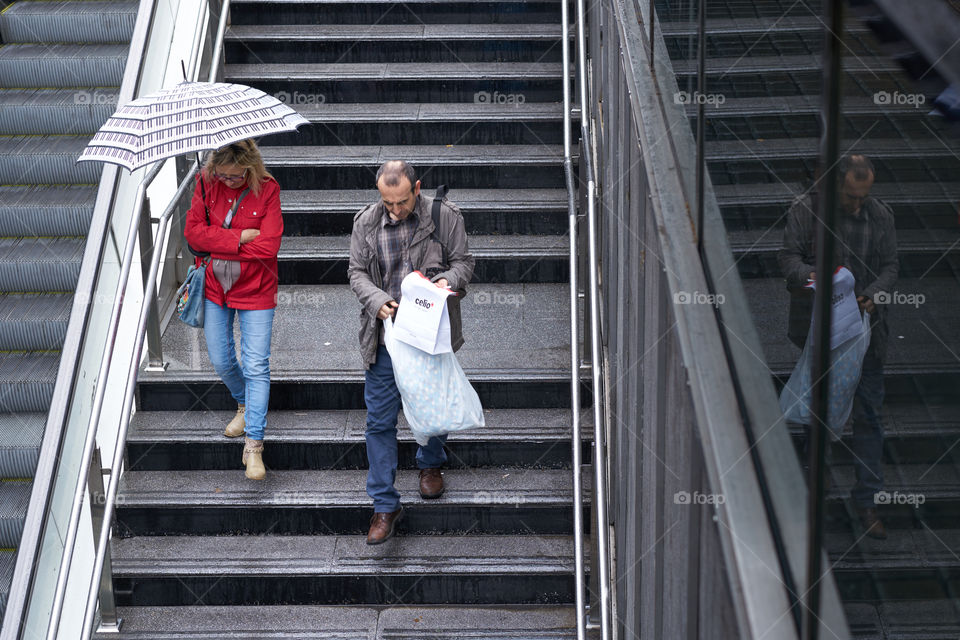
x=599, y=451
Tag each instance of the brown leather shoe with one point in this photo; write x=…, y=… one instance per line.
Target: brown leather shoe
x=382, y=526
x=431, y=483
x=872, y=523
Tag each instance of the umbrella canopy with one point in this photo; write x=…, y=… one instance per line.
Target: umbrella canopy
x=192, y=116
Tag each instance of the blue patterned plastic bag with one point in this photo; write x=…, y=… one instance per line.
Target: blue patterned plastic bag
x=846, y=362
x=437, y=397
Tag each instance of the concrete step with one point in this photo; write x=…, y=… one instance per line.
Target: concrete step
x=20, y=438
x=537, y=438
x=26, y=380
x=464, y=43
x=46, y=210
x=499, y=501
x=70, y=21
x=404, y=82
x=485, y=211
x=466, y=166
x=28, y=160
x=381, y=12
x=347, y=623
x=33, y=321
x=55, y=111
x=682, y=10
x=526, y=259
x=62, y=65
x=516, y=352
x=466, y=570
x=40, y=264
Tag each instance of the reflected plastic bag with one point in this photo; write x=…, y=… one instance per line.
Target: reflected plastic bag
x=846, y=362
x=437, y=397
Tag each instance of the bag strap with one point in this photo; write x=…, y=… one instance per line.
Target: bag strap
x=438, y=197
x=233, y=209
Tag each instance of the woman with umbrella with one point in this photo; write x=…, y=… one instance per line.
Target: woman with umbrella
x=235, y=217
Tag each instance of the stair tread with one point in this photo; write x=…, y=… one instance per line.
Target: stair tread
x=735, y=66
x=481, y=246
x=785, y=193
x=755, y=26
x=29, y=367
x=933, y=481
x=421, y=155
x=55, y=51
x=917, y=336
x=467, y=199
x=523, y=328
x=776, y=148
x=935, y=241
x=347, y=426
x=903, y=549
x=340, y=488
x=430, y=112
x=354, y=622
x=786, y=106
x=396, y=71
x=397, y=32
x=347, y=555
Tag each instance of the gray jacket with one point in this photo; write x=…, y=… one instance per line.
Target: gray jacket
x=366, y=281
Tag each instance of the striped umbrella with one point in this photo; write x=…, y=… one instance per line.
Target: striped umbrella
x=192, y=116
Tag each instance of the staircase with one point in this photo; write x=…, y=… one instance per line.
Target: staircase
x=60, y=68
x=762, y=141
x=470, y=94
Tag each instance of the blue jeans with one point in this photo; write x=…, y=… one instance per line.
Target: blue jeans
x=249, y=385
x=383, y=405
x=868, y=432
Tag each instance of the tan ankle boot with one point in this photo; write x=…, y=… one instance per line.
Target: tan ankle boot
x=253, y=459
x=237, y=425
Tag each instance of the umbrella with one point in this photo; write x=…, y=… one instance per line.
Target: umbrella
x=192, y=116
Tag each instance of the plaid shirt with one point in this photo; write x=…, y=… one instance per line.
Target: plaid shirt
x=393, y=241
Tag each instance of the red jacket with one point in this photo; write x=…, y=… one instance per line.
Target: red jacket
x=256, y=288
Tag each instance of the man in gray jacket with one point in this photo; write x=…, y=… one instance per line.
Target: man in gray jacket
x=866, y=244
x=390, y=239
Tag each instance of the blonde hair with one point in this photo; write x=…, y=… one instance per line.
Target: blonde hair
x=244, y=154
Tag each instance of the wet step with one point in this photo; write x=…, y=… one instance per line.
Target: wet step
x=173, y=570
x=489, y=118
x=42, y=65
x=14, y=498
x=40, y=264
x=680, y=10
x=904, y=619
x=72, y=21
x=33, y=321
x=347, y=623
x=464, y=166
x=55, y=111
x=465, y=43
x=405, y=82
x=46, y=210
x=520, y=211
x=46, y=160
x=516, y=352
x=534, y=438
x=764, y=37
x=26, y=380
x=479, y=501
x=20, y=438
x=380, y=12
x=530, y=259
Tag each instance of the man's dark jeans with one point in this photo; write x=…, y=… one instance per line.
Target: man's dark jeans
x=383, y=405
x=868, y=432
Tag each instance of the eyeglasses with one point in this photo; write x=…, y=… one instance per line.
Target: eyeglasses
x=223, y=178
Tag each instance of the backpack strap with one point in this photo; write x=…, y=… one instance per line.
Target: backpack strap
x=438, y=197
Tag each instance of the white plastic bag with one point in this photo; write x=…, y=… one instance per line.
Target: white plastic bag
x=422, y=317
x=846, y=363
x=437, y=397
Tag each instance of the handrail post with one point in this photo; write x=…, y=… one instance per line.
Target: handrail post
x=147, y=247
x=109, y=622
